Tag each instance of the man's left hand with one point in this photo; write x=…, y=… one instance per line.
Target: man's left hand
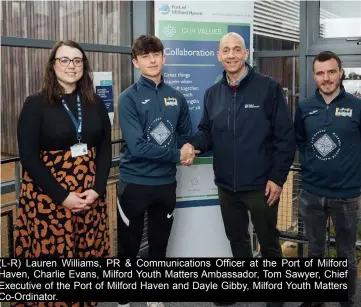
x=273, y=191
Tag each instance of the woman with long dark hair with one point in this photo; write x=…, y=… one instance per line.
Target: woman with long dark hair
x=64, y=138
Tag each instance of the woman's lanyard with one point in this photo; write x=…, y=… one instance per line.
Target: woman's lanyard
x=79, y=149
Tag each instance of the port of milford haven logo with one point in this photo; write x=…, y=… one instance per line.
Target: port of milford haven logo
x=326, y=146
x=164, y=9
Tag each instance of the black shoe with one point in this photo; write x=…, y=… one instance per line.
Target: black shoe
x=275, y=304
x=312, y=304
x=224, y=303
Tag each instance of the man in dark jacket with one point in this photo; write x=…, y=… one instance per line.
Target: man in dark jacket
x=328, y=126
x=247, y=126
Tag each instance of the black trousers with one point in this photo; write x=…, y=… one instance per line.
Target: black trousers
x=235, y=207
x=133, y=201
x=315, y=211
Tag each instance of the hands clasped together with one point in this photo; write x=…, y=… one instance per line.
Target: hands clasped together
x=188, y=154
x=77, y=202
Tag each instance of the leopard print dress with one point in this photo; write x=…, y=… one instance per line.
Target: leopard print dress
x=47, y=229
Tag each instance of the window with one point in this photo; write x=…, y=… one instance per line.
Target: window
x=286, y=71
x=121, y=66
x=340, y=19
x=276, y=25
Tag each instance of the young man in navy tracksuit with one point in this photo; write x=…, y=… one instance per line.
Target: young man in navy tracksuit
x=328, y=126
x=156, y=126
x=247, y=125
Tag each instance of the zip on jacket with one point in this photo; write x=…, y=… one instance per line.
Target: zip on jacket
x=329, y=140
x=261, y=143
x=155, y=124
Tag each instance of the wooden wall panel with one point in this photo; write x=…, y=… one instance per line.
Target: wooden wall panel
x=98, y=22
x=21, y=74
x=121, y=67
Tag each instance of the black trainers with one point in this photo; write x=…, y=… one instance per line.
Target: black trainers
x=312, y=304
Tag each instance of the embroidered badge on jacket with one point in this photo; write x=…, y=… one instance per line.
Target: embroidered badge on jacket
x=343, y=112
x=170, y=101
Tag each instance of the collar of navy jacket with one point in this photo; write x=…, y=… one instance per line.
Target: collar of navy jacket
x=150, y=83
x=244, y=81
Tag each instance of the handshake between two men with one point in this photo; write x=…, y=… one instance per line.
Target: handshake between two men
x=188, y=154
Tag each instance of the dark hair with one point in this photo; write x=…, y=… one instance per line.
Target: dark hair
x=145, y=44
x=52, y=88
x=326, y=56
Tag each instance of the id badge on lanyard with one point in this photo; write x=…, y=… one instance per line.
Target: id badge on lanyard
x=79, y=149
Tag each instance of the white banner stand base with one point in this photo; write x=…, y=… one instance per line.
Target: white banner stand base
x=199, y=232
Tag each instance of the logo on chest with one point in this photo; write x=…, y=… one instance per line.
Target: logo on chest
x=170, y=101
x=327, y=146
x=343, y=112
x=251, y=106
x=145, y=101
x=161, y=132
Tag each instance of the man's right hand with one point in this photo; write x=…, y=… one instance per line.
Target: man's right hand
x=75, y=203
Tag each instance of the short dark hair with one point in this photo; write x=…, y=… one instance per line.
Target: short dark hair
x=326, y=56
x=145, y=44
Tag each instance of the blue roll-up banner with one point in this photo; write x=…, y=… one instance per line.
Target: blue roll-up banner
x=103, y=84
x=191, y=32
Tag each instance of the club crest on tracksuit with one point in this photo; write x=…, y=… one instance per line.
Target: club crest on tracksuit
x=170, y=101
